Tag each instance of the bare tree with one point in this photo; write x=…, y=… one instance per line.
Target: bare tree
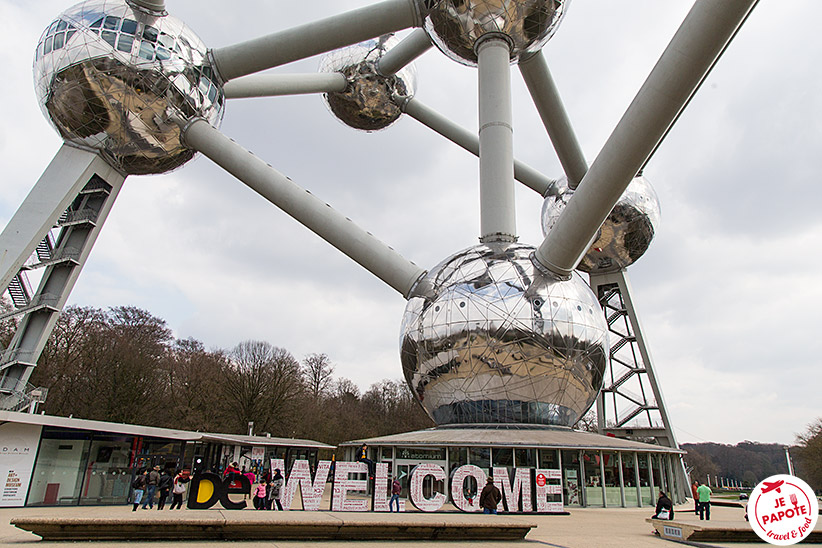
x=317, y=371
x=262, y=384
x=808, y=454
x=193, y=377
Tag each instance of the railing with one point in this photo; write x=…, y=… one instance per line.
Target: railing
x=17, y=400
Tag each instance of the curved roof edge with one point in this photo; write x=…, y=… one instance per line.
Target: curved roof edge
x=521, y=437
x=155, y=432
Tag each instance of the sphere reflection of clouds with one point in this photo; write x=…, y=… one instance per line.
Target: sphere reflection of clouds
x=624, y=236
x=367, y=103
x=455, y=26
x=502, y=343
x=108, y=77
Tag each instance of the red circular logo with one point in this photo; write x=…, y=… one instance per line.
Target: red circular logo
x=783, y=510
x=541, y=481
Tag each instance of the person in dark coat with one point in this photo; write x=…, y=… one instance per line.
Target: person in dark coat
x=664, y=506
x=490, y=497
x=275, y=492
x=164, y=486
x=139, y=486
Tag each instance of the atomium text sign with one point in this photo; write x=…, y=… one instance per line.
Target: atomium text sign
x=527, y=491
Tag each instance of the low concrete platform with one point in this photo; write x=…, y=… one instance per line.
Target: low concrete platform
x=279, y=526
x=715, y=531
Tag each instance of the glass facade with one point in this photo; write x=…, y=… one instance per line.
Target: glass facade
x=613, y=486
x=591, y=461
x=571, y=478
x=81, y=467
x=593, y=478
x=59, y=469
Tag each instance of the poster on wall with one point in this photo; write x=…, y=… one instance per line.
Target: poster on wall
x=18, y=447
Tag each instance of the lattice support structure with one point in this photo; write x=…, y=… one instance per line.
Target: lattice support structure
x=631, y=404
x=73, y=199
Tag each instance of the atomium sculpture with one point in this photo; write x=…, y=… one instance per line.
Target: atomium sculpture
x=109, y=76
x=624, y=236
x=367, y=102
x=502, y=332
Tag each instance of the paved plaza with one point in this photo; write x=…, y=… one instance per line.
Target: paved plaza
x=583, y=528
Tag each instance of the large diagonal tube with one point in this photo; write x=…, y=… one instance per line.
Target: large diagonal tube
x=411, y=47
x=468, y=140
x=700, y=38
x=316, y=215
x=546, y=98
x=311, y=39
x=271, y=85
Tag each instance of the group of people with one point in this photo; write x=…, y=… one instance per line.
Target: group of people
x=268, y=493
x=150, y=483
x=702, y=503
x=702, y=500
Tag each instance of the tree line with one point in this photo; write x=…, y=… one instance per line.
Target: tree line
x=750, y=462
x=123, y=364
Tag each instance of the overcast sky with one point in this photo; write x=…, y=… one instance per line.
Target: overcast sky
x=729, y=293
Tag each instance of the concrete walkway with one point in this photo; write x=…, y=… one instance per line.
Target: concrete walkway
x=583, y=528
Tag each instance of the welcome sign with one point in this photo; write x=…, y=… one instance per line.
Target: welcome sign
x=527, y=491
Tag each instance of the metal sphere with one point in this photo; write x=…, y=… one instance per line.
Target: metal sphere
x=108, y=77
x=625, y=235
x=501, y=342
x=367, y=103
x=455, y=26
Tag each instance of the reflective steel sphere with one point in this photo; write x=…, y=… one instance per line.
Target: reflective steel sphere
x=367, y=103
x=456, y=25
x=501, y=342
x=626, y=233
x=108, y=77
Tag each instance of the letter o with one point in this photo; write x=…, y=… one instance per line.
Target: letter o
x=417, y=479
x=458, y=485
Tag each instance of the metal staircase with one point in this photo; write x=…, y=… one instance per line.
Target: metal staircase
x=49, y=238
x=630, y=404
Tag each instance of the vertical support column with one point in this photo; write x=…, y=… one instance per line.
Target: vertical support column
x=672, y=480
x=496, y=136
x=651, y=475
x=637, y=480
x=602, y=479
x=583, y=491
x=621, y=480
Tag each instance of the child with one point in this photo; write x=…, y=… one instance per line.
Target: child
x=259, y=496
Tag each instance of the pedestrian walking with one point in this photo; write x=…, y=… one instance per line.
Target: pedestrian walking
x=139, y=486
x=164, y=486
x=490, y=497
x=396, y=488
x=152, y=479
